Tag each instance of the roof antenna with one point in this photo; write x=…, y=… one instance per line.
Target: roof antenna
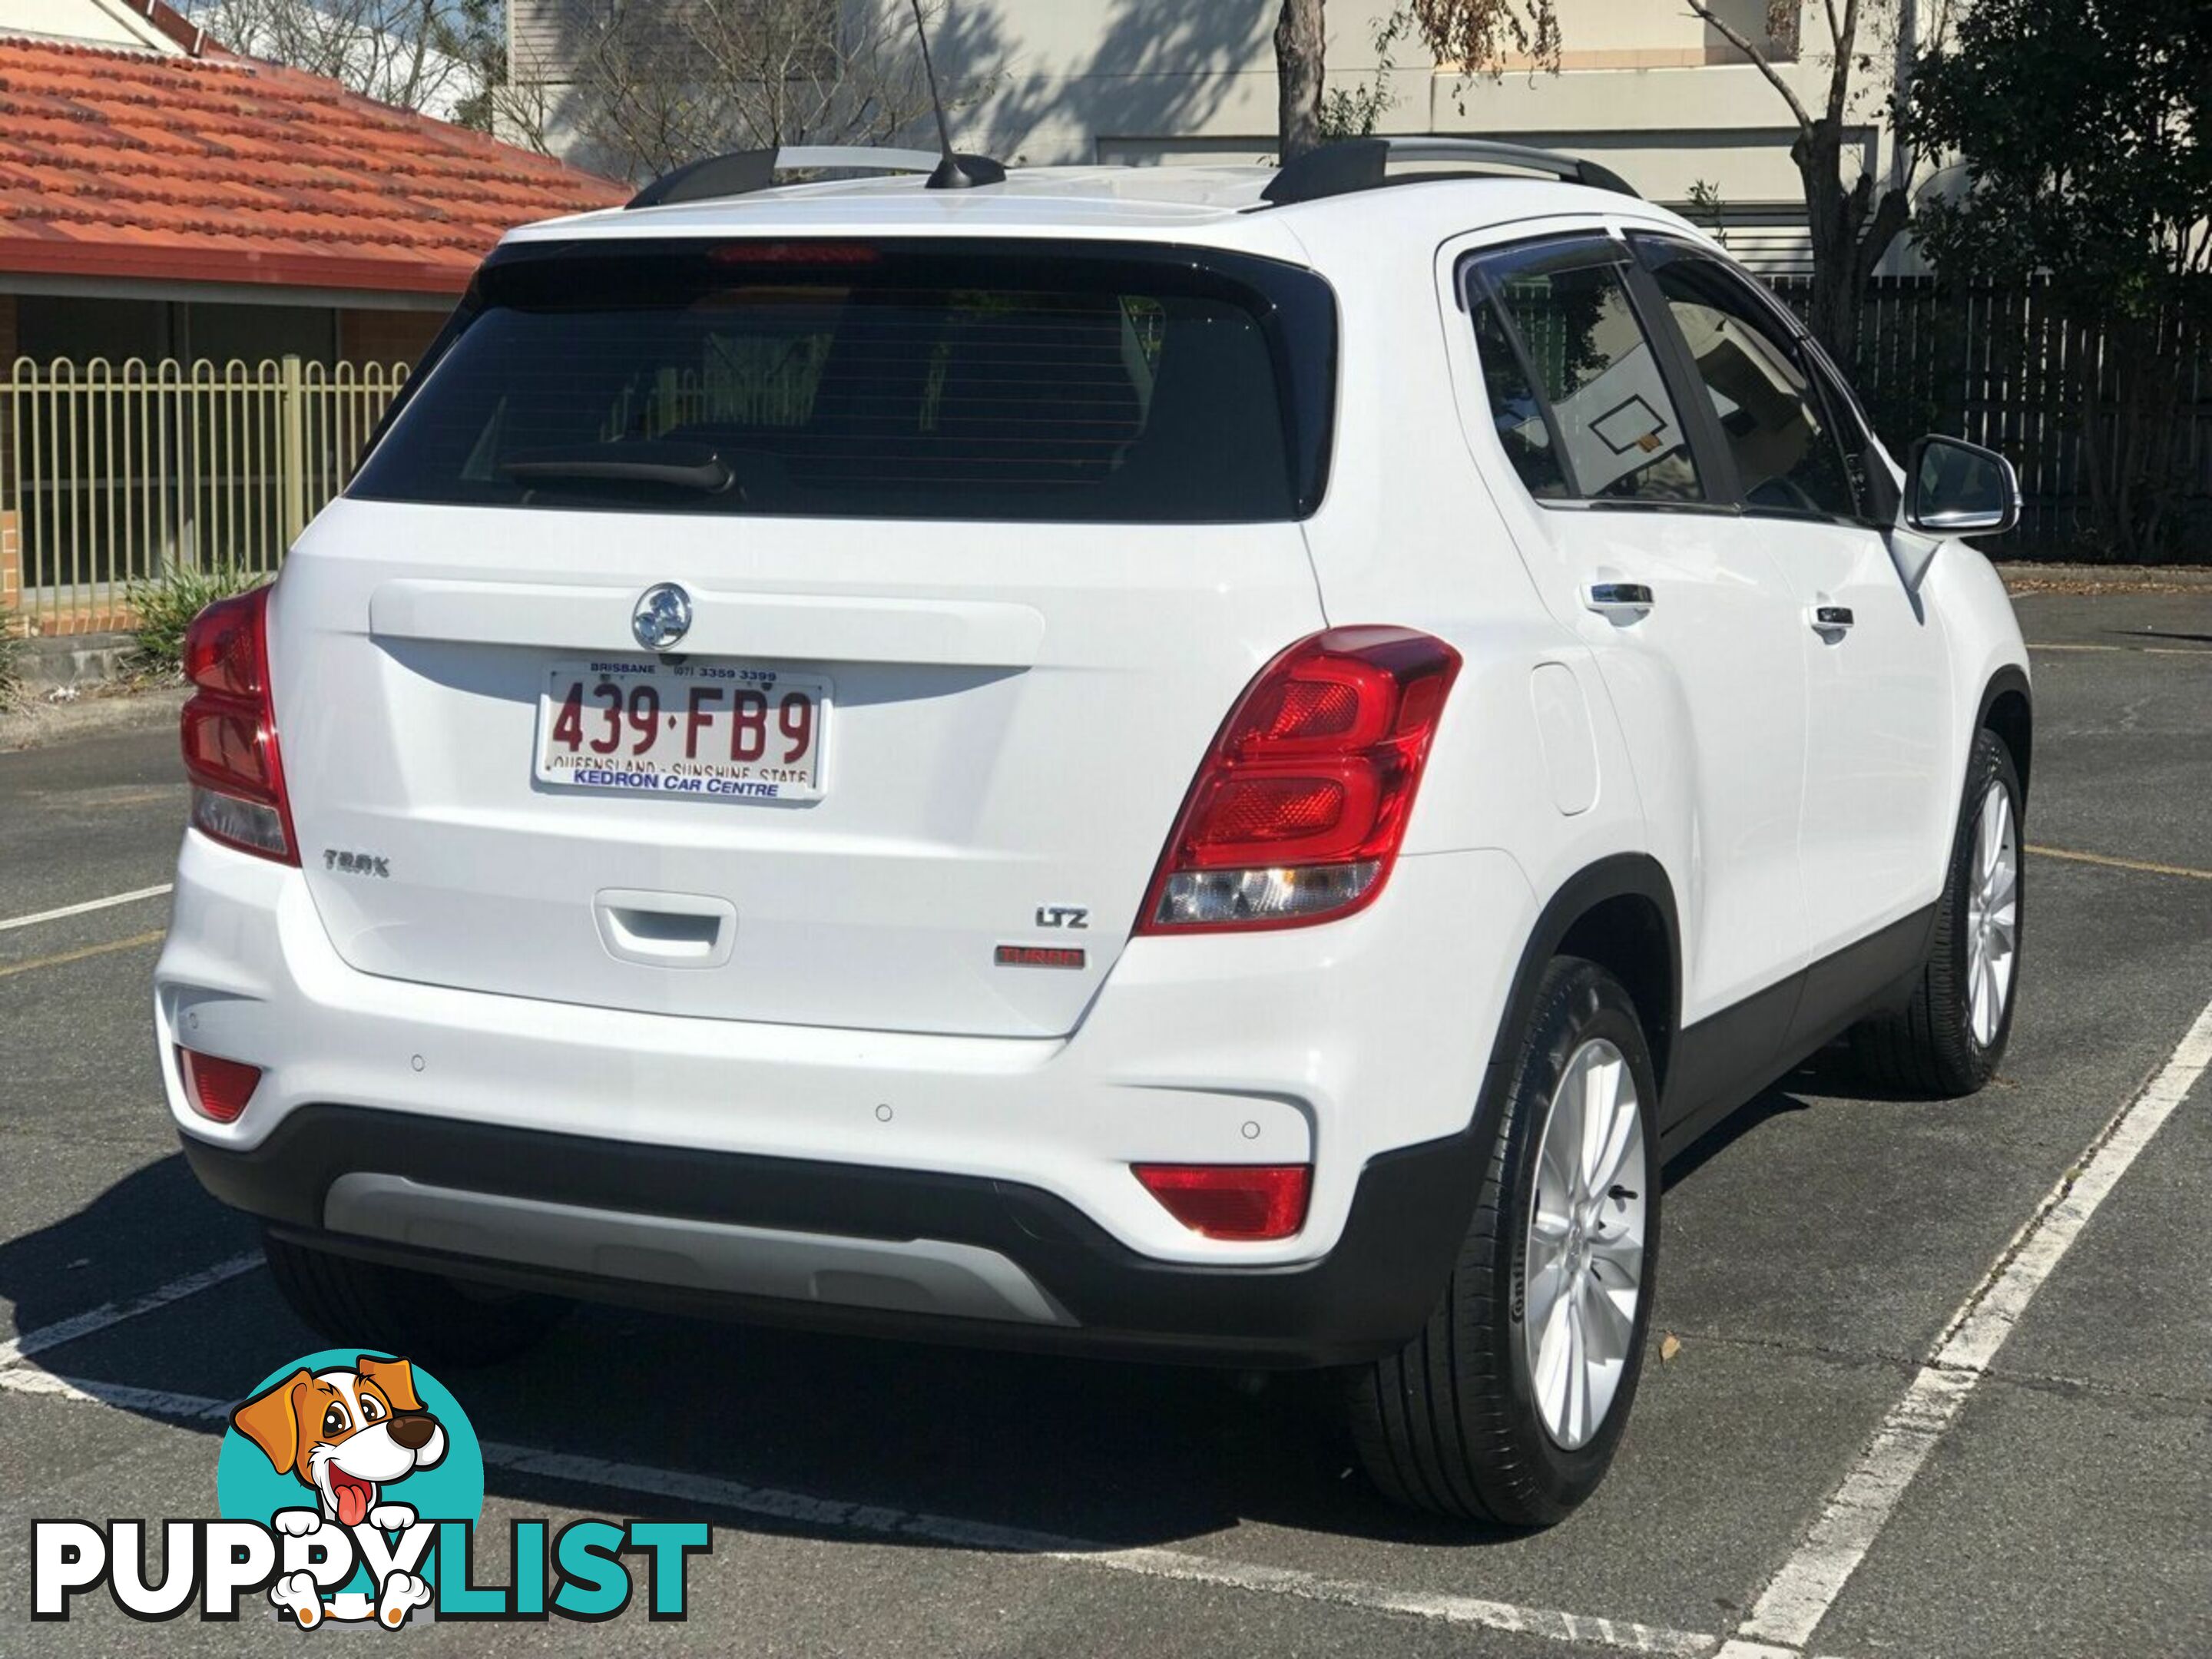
x=954, y=171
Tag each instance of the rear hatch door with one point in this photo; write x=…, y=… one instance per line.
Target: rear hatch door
x=992, y=558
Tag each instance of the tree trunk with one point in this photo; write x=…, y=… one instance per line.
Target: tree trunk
x=1850, y=230
x=1300, y=48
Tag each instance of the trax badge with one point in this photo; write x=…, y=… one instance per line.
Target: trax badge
x=357, y=864
x=662, y=617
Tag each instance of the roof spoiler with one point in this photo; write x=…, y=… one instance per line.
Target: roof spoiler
x=743, y=171
x=1356, y=164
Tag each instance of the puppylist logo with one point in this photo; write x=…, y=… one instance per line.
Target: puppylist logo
x=349, y=1488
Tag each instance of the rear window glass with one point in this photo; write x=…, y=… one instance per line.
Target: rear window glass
x=859, y=380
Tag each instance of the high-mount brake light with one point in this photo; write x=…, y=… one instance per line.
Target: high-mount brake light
x=1298, y=809
x=795, y=253
x=229, y=731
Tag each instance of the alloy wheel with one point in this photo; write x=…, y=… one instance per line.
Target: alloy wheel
x=1992, y=914
x=1582, y=1270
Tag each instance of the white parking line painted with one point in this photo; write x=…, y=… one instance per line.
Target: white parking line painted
x=1580, y=1629
x=20, y=1348
x=828, y=1514
x=153, y=1402
x=1791, y=1606
x=87, y=907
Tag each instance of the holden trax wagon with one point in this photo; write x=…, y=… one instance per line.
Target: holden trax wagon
x=1210, y=765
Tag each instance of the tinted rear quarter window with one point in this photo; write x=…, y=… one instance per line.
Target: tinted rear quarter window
x=1522, y=425
x=873, y=380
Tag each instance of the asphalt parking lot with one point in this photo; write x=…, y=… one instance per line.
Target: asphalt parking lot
x=1799, y=1477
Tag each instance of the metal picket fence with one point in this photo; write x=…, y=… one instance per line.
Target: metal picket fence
x=110, y=473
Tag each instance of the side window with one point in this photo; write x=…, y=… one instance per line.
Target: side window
x=1522, y=425
x=1773, y=416
x=1575, y=387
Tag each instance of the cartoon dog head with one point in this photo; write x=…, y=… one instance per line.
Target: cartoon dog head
x=344, y=1434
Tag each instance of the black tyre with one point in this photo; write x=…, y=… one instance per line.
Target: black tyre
x=1507, y=1408
x=441, y=1321
x=1948, y=1038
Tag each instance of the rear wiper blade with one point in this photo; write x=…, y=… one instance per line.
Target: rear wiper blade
x=679, y=465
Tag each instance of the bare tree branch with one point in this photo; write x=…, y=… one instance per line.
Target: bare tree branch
x=412, y=54
x=1846, y=52
x=1737, y=38
x=661, y=83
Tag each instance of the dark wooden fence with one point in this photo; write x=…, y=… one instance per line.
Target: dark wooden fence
x=2008, y=369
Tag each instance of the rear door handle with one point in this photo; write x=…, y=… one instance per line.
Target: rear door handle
x=1625, y=599
x=1831, y=618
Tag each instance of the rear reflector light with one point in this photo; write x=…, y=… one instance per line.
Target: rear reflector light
x=1036, y=956
x=1245, y=1201
x=1298, y=809
x=229, y=731
x=216, y=1089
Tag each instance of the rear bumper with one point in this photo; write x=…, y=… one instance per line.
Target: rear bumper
x=639, y=1148
x=888, y=1252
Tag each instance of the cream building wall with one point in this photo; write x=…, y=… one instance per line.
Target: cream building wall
x=1645, y=86
x=84, y=22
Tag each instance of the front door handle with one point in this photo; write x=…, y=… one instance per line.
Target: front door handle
x=1621, y=600
x=1831, y=618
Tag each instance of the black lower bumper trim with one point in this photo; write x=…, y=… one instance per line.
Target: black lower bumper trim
x=1366, y=1298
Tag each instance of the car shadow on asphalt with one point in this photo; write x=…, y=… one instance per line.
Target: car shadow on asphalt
x=1777, y=1101
x=1116, y=1455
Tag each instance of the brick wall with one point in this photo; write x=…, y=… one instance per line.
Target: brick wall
x=11, y=568
x=386, y=336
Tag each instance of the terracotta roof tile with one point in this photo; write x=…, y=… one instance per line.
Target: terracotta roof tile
x=226, y=169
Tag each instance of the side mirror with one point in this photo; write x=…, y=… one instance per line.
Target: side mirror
x=1953, y=488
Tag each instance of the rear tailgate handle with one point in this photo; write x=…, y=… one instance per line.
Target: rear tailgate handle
x=666, y=930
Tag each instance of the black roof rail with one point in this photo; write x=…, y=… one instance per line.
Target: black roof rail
x=1354, y=164
x=743, y=171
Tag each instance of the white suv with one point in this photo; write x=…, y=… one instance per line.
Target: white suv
x=1211, y=765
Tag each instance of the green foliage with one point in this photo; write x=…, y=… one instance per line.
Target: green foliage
x=1355, y=112
x=2082, y=128
x=11, y=660
x=1707, y=210
x=1477, y=35
x=167, y=605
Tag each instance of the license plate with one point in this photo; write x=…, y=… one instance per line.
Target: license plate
x=719, y=731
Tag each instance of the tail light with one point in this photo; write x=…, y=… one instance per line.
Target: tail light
x=229, y=731
x=1298, y=809
x=1246, y=1201
x=217, y=1089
